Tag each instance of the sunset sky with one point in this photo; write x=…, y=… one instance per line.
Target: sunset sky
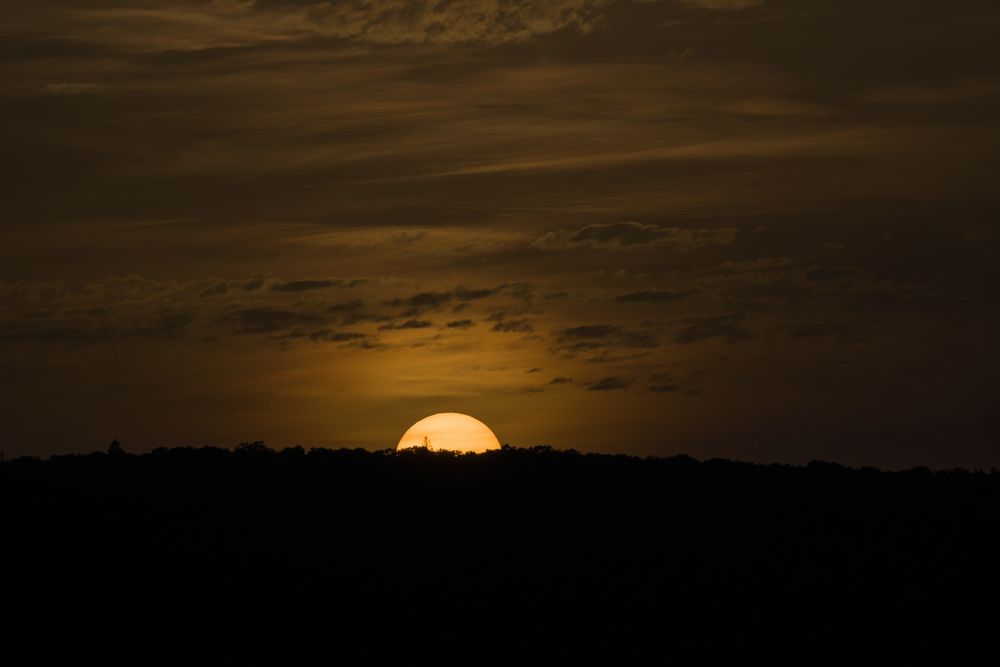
x=753, y=229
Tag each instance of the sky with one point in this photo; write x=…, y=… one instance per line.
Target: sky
x=752, y=229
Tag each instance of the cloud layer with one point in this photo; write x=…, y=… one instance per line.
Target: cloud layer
x=713, y=226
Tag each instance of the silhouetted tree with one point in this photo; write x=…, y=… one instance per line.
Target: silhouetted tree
x=256, y=447
x=115, y=448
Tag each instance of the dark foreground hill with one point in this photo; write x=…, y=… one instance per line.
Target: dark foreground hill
x=514, y=557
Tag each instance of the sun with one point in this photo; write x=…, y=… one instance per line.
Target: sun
x=450, y=431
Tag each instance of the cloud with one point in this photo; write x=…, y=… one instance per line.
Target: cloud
x=173, y=322
x=360, y=315
x=306, y=285
x=72, y=88
x=46, y=335
x=652, y=296
x=606, y=336
x=408, y=324
x=433, y=21
x=504, y=325
x=327, y=335
x=844, y=332
x=609, y=384
x=352, y=306
x=514, y=326
x=174, y=26
x=618, y=235
x=433, y=300
x=534, y=370
x=218, y=287
x=253, y=284
x=472, y=294
x=822, y=274
x=662, y=383
x=265, y=319
x=436, y=300
x=699, y=329
x=588, y=331
x=613, y=357
x=560, y=380
x=134, y=308
x=721, y=5
x=521, y=291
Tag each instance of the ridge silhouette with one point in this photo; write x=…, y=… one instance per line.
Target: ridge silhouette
x=515, y=556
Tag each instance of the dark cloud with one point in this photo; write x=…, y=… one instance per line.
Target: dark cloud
x=588, y=331
x=361, y=315
x=663, y=383
x=433, y=300
x=223, y=287
x=652, y=296
x=330, y=336
x=325, y=335
x=609, y=384
x=460, y=324
x=472, y=294
x=845, y=332
x=408, y=324
x=822, y=274
x=522, y=291
x=721, y=5
x=534, y=370
x=625, y=234
x=306, y=285
x=514, y=326
x=217, y=289
x=73, y=88
x=352, y=306
x=560, y=380
x=172, y=322
x=612, y=356
x=729, y=327
x=355, y=311
x=264, y=319
x=47, y=335
x=430, y=21
x=436, y=300
x=504, y=323
x=597, y=336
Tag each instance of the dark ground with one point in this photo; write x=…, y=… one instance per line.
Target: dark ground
x=512, y=557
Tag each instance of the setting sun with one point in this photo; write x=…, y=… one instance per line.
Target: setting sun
x=450, y=431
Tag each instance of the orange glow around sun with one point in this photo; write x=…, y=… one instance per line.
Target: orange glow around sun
x=450, y=431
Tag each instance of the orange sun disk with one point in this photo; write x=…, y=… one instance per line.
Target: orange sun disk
x=450, y=431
